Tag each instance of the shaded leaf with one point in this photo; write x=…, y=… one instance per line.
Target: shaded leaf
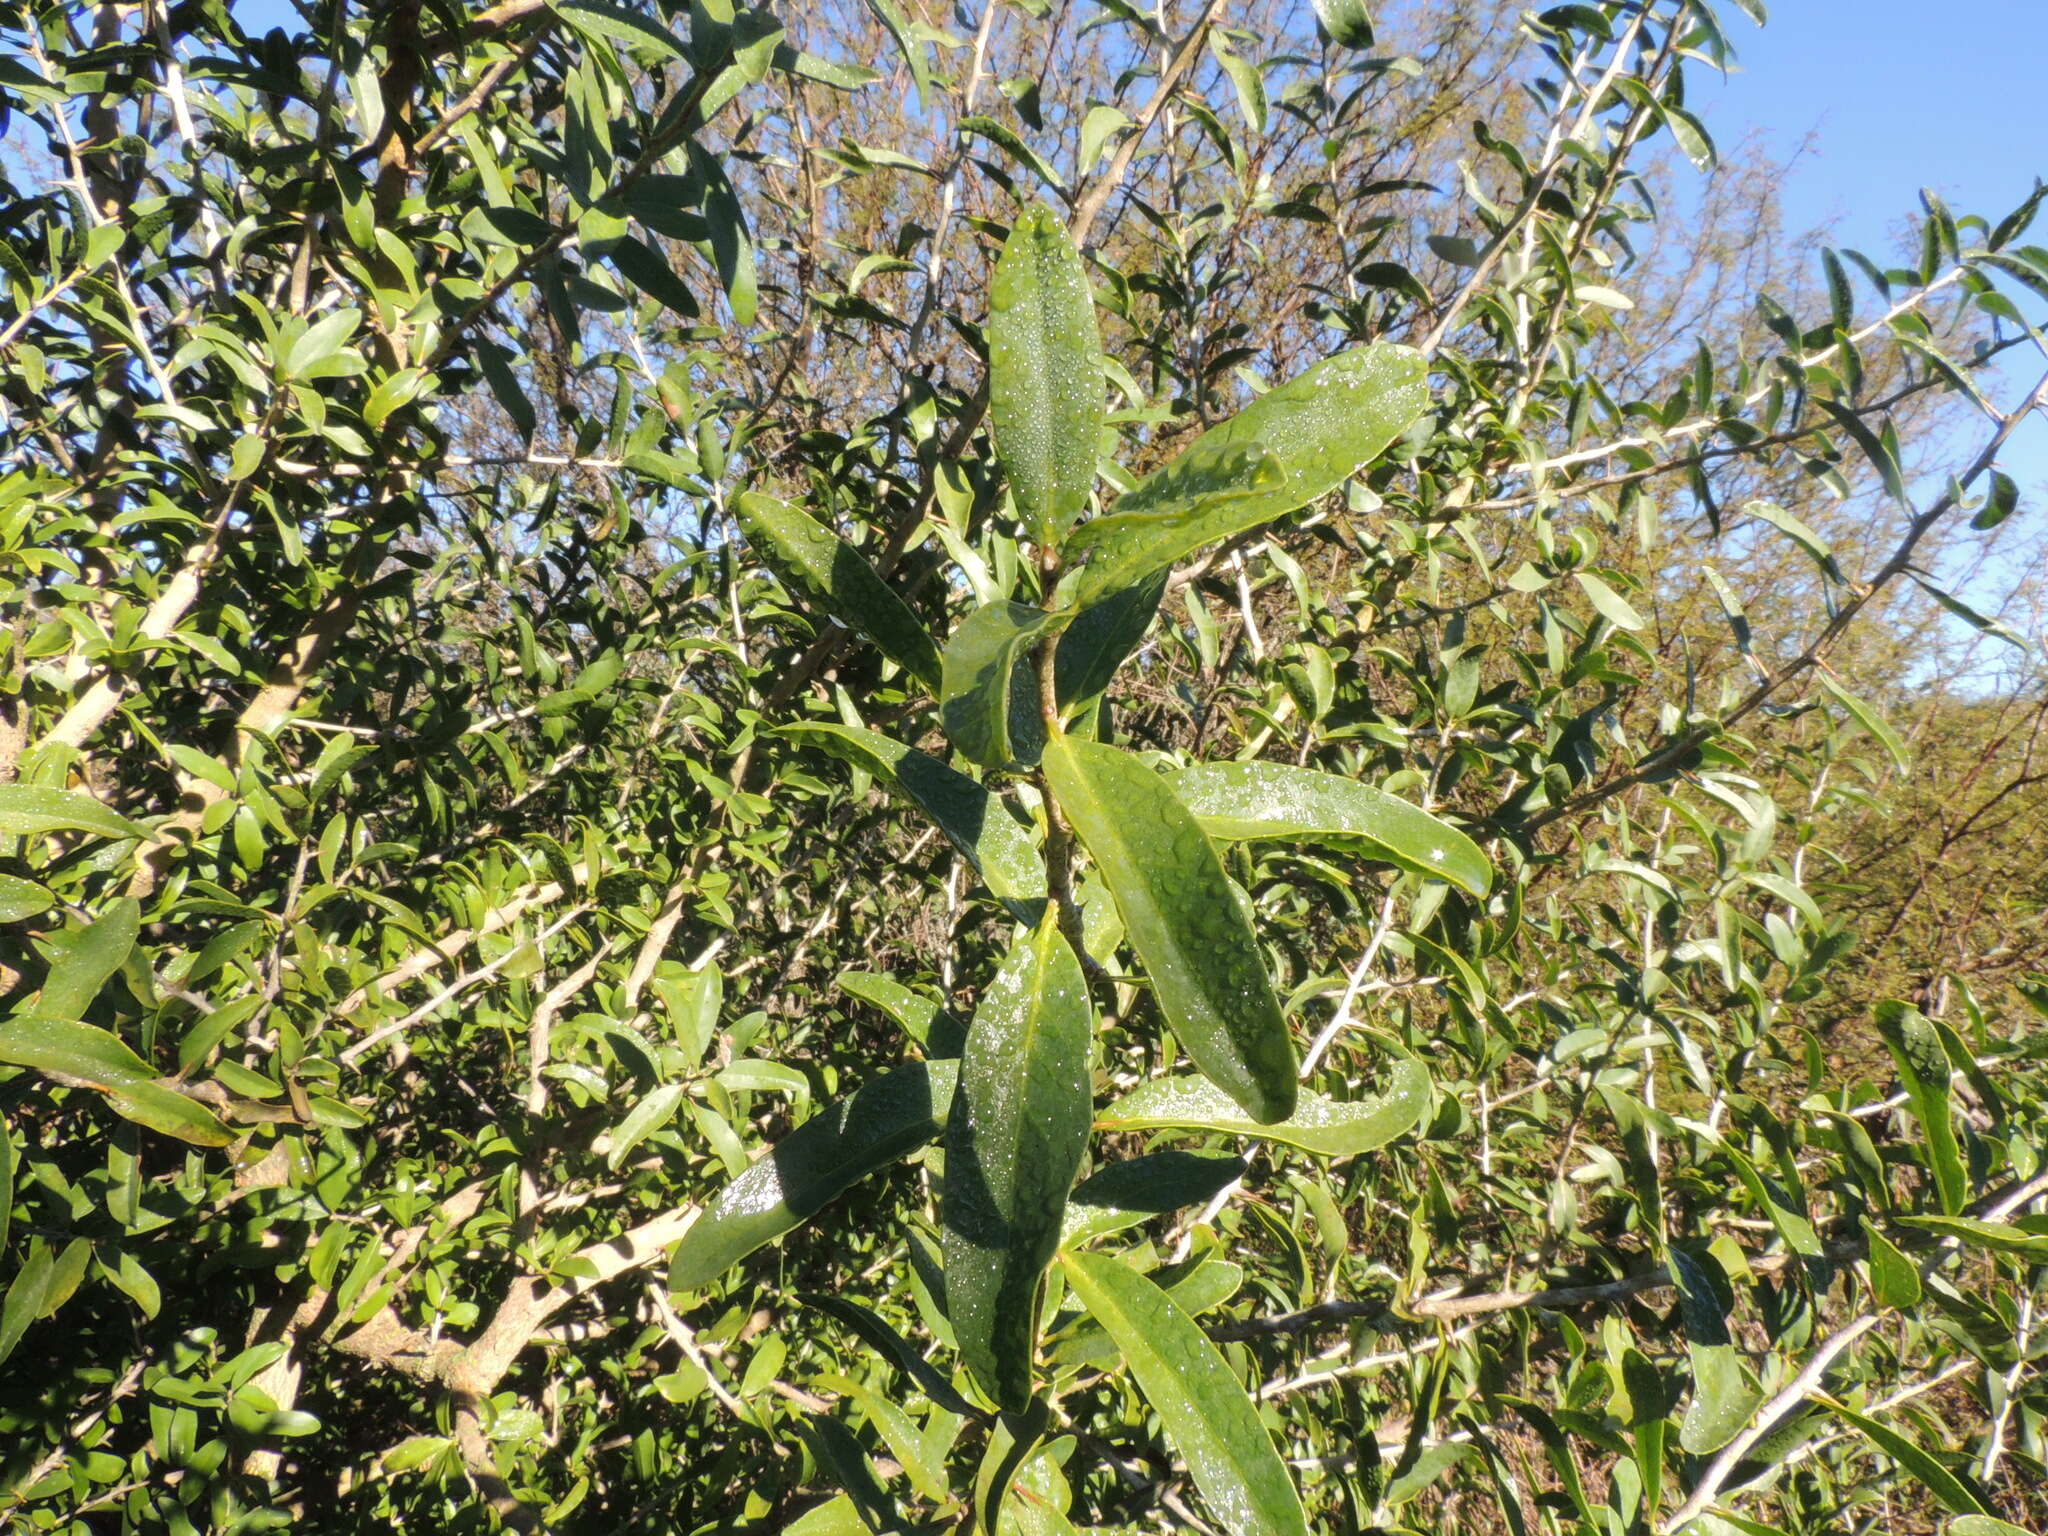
x=843, y=1143
x=831, y=572
x=987, y=693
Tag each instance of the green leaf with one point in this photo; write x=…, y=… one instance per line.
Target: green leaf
x=72, y=1050
x=1136, y=1189
x=1045, y=397
x=1874, y=449
x=1013, y=1145
x=1182, y=917
x=20, y=899
x=653, y=1112
x=1207, y=1415
x=27, y=809
x=843, y=1143
x=1999, y=503
x=1208, y=493
x=1981, y=622
x=93, y=953
x=1648, y=1418
x=6, y=1182
x=987, y=692
x=25, y=1297
x=974, y=821
x=1723, y=1401
x=831, y=572
x=617, y=22
x=1250, y=801
x=1245, y=80
x=1997, y=1236
x=1325, y=1127
x=1293, y=444
x=1924, y=1074
x=1005, y=138
x=1196, y=1286
x=1799, y=533
x=170, y=1112
x=1348, y=22
x=1607, y=602
x=1894, y=1282
x=1983, y=1525
x=1949, y=1490
x=1872, y=722
x=1102, y=637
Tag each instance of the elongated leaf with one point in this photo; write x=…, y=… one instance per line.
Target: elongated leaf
x=1195, y=1288
x=1924, y=1074
x=1349, y=22
x=1799, y=533
x=1607, y=602
x=891, y=1343
x=1248, y=801
x=974, y=821
x=1326, y=1127
x=1102, y=638
x=831, y=572
x=835, y=1149
x=162, y=1108
x=26, y=1295
x=1950, y=1491
x=1894, y=1281
x=1872, y=722
x=1013, y=1145
x=1874, y=449
x=95, y=953
x=21, y=899
x=923, y=1019
x=27, y=809
x=1983, y=1525
x=6, y=1182
x=1997, y=1236
x=1293, y=444
x=1722, y=1399
x=987, y=693
x=1125, y=1193
x=643, y=1120
x=1203, y=1407
x=1045, y=394
x=1183, y=918
x=72, y=1050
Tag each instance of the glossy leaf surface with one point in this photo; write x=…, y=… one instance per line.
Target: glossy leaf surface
x=1251, y=801
x=1135, y=1189
x=1045, y=386
x=1182, y=918
x=973, y=820
x=842, y=1144
x=1298, y=441
x=987, y=693
x=1323, y=1126
x=1013, y=1145
x=830, y=571
x=1206, y=1413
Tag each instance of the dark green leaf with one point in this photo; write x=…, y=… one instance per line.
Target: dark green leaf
x=1924, y=1074
x=974, y=821
x=25, y=1297
x=987, y=692
x=1952, y=1492
x=1013, y=1145
x=1348, y=22
x=1247, y=801
x=1182, y=918
x=1894, y=1282
x=831, y=572
x=1136, y=1189
x=843, y=1143
x=1207, y=1415
x=1045, y=384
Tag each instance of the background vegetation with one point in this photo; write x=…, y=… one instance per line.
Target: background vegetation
x=418, y=905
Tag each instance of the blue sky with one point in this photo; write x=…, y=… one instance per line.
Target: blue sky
x=1897, y=96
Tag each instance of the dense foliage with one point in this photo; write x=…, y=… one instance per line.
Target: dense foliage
x=1043, y=767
